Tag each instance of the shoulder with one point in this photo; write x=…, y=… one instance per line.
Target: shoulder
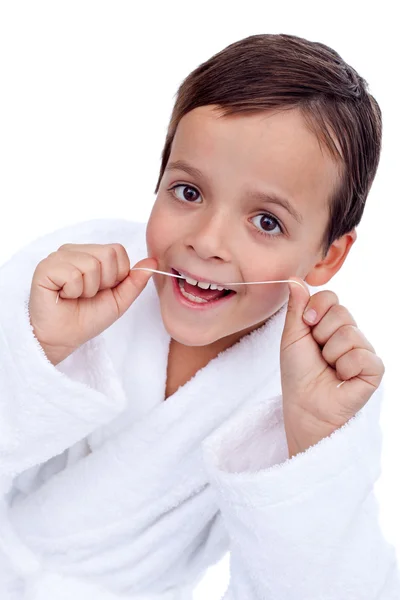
x=100, y=231
x=131, y=234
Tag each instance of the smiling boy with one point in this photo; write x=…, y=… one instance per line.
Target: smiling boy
x=213, y=217
x=271, y=151
x=263, y=195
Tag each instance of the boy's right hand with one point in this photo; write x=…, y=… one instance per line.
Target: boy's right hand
x=96, y=288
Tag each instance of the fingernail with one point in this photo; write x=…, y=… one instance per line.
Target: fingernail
x=310, y=315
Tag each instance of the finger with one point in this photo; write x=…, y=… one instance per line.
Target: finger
x=123, y=261
x=128, y=290
x=75, y=274
x=299, y=295
x=140, y=276
x=113, y=259
x=361, y=363
x=318, y=306
x=336, y=317
x=294, y=327
x=342, y=341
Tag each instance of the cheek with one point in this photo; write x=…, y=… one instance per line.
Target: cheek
x=154, y=250
x=151, y=240
x=271, y=268
x=270, y=295
x=155, y=234
x=266, y=298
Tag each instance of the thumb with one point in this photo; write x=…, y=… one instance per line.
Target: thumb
x=298, y=299
x=126, y=292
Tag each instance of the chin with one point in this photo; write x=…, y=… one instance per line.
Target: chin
x=189, y=338
x=188, y=335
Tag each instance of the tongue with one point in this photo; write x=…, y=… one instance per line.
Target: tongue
x=209, y=294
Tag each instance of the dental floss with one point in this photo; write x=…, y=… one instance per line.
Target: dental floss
x=226, y=284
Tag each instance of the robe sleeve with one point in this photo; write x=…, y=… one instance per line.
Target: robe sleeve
x=44, y=409
x=305, y=527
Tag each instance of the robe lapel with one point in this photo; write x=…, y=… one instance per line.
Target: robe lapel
x=138, y=344
x=145, y=478
x=153, y=464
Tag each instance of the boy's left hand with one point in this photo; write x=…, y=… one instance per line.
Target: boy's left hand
x=315, y=358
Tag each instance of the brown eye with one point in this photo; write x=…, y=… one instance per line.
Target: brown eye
x=268, y=225
x=189, y=193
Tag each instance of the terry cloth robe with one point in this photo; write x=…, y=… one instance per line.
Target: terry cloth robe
x=109, y=492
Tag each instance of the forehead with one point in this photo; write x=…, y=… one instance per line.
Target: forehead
x=274, y=149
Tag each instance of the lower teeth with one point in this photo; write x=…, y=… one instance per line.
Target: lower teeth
x=190, y=296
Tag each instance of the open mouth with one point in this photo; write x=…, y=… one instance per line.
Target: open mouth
x=196, y=295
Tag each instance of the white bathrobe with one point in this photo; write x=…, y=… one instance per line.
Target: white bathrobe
x=109, y=492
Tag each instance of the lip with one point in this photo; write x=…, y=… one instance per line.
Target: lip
x=197, y=305
x=197, y=278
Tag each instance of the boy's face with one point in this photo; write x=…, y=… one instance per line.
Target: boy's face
x=215, y=226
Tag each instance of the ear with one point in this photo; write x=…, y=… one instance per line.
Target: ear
x=324, y=270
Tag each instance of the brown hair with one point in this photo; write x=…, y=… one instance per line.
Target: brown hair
x=280, y=71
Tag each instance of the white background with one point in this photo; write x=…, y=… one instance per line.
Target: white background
x=87, y=89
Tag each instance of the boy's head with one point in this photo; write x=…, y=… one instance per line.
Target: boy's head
x=275, y=115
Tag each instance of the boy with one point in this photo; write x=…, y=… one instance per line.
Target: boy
x=269, y=441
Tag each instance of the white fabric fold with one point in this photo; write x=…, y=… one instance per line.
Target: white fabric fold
x=112, y=493
x=279, y=511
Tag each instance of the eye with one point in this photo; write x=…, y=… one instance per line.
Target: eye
x=187, y=192
x=269, y=224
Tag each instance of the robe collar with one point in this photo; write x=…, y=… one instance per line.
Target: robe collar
x=139, y=345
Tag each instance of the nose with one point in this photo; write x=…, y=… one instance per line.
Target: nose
x=210, y=236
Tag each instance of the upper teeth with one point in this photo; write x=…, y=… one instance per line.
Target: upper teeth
x=202, y=284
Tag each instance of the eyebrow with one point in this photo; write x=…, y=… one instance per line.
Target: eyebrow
x=258, y=196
